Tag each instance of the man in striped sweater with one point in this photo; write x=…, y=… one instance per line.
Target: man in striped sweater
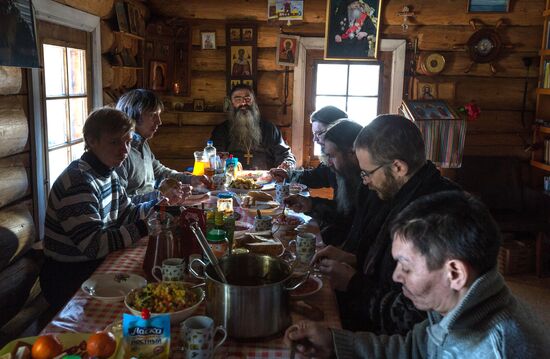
x=89, y=214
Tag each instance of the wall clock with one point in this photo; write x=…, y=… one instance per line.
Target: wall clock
x=485, y=45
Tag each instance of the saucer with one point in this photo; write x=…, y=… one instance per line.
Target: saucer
x=112, y=287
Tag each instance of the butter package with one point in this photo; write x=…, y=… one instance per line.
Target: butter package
x=145, y=337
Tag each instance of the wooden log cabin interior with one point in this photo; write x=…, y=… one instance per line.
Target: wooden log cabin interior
x=503, y=156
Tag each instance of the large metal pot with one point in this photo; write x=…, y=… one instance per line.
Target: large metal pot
x=255, y=301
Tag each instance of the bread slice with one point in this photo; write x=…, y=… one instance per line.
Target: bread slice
x=269, y=247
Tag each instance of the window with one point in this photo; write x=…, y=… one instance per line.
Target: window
x=353, y=88
x=66, y=107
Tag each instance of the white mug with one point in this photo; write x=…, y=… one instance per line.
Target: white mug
x=197, y=335
x=263, y=224
x=218, y=181
x=282, y=191
x=173, y=269
x=305, y=246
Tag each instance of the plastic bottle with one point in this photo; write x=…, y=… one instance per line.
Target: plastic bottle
x=210, y=154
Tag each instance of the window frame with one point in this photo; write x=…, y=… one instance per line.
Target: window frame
x=347, y=95
x=396, y=46
x=68, y=142
x=50, y=11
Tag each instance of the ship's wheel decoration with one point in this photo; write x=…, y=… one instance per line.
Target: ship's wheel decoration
x=485, y=45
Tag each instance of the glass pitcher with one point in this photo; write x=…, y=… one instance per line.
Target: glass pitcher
x=201, y=163
x=164, y=239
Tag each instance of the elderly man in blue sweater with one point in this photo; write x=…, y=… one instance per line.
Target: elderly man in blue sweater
x=446, y=248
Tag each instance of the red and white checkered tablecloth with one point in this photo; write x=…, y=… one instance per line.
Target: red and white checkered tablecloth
x=84, y=314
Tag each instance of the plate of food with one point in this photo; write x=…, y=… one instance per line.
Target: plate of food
x=82, y=345
x=178, y=299
x=311, y=286
x=241, y=183
x=259, y=177
x=259, y=200
x=112, y=287
x=295, y=188
x=285, y=222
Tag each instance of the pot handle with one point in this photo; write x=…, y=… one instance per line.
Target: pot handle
x=193, y=271
x=302, y=281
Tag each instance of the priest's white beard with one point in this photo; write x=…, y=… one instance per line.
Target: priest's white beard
x=244, y=128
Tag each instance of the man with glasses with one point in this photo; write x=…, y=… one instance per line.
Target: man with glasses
x=394, y=171
x=257, y=144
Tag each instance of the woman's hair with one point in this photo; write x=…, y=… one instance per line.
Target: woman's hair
x=106, y=120
x=135, y=102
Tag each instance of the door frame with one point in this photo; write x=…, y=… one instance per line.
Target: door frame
x=398, y=49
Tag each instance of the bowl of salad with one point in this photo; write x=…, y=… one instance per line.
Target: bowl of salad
x=177, y=299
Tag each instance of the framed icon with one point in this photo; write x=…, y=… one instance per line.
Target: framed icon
x=158, y=75
x=198, y=105
x=287, y=50
x=235, y=34
x=208, y=40
x=352, y=30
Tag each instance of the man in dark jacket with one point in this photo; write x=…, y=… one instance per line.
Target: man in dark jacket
x=257, y=144
x=395, y=172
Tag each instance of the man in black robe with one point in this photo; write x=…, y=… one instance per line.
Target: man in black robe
x=395, y=172
x=257, y=144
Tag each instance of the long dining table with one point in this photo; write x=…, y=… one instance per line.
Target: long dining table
x=84, y=314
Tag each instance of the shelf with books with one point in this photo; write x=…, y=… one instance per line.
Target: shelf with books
x=540, y=155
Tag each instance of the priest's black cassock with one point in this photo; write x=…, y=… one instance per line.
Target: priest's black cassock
x=270, y=153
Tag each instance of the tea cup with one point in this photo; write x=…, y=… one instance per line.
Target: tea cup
x=172, y=269
x=305, y=246
x=197, y=335
x=218, y=181
x=282, y=191
x=263, y=223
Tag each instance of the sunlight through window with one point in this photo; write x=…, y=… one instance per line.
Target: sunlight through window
x=66, y=105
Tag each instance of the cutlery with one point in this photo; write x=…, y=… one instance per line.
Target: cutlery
x=207, y=250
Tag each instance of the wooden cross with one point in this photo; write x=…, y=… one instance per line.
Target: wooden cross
x=248, y=157
x=405, y=13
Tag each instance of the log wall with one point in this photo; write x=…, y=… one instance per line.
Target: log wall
x=17, y=229
x=438, y=27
